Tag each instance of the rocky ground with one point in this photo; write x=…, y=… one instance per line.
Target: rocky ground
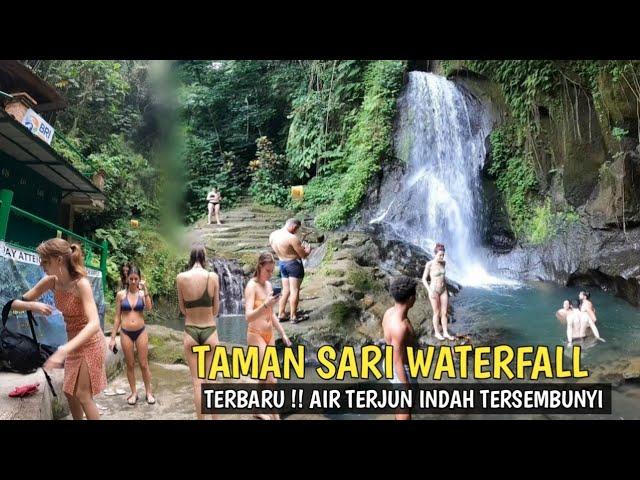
x=345, y=291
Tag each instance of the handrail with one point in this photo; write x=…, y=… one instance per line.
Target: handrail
x=46, y=223
x=103, y=248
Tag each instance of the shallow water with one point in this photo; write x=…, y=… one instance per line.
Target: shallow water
x=516, y=316
x=526, y=316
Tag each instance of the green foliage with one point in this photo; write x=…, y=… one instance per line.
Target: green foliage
x=323, y=116
x=268, y=185
x=541, y=228
x=110, y=124
x=362, y=281
x=525, y=83
x=90, y=86
x=206, y=168
x=619, y=133
x=225, y=107
x=131, y=186
x=158, y=260
x=514, y=175
x=343, y=314
x=319, y=191
x=369, y=142
x=545, y=223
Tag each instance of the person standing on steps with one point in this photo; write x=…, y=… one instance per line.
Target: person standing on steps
x=438, y=295
x=131, y=302
x=290, y=252
x=259, y=302
x=83, y=356
x=213, y=204
x=198, y=298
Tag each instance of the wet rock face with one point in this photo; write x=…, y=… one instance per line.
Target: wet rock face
x=618, y=186
x=346, y=290
x=582, y=256
x=496, y=229
x=391, y=255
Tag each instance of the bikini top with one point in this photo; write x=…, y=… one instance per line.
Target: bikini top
x=203, y=301
x=125, y=306
x=440, y=273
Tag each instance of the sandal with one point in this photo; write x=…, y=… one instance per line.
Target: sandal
x=300, y=318
x=283, y=319
x=130, y=397
x=151, y=400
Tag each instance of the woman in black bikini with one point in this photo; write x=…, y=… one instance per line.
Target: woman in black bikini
x=130, y=304
x=213, y=201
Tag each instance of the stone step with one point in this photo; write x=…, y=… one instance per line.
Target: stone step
x=264, y=236
x=259, y=224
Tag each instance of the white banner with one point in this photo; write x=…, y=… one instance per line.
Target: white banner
x=36, y=125
x=8, y=251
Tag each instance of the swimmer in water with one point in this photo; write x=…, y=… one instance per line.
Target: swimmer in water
x=577, y=324
x=564, y=311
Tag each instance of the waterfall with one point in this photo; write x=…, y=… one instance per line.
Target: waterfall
x=231, y=286
x=440, y=136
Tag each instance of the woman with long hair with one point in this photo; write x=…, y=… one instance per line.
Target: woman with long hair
x=131, y=302
x=261, y=319
x=124, y=273
x=198, y=298
x=84, y=353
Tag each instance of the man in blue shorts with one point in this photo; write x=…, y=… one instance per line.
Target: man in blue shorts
x=290, y=251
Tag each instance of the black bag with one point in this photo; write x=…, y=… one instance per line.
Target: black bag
x=19, y=353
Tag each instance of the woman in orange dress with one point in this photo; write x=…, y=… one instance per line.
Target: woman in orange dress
x=83, y=355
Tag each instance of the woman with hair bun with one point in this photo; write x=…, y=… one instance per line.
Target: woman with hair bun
x=438, y=295
x=84, y=353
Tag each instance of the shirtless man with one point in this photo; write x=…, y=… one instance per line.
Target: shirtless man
x=564, y=311
x=290, y=251
x=577, y=324
x=399, y=333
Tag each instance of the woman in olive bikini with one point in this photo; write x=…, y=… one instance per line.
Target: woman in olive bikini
x=438, y=295
x=198, y=297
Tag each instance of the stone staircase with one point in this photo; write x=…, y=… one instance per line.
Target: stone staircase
x=244, y=231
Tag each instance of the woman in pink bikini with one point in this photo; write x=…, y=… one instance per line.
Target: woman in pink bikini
x=84, y=353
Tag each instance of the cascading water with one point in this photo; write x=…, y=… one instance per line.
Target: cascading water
x=440, y=135
x=231, y=286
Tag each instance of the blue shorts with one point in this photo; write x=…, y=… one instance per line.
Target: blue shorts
x=291, y=268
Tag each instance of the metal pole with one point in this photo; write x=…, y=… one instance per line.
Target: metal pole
x=103, y=264
x=6, y=197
